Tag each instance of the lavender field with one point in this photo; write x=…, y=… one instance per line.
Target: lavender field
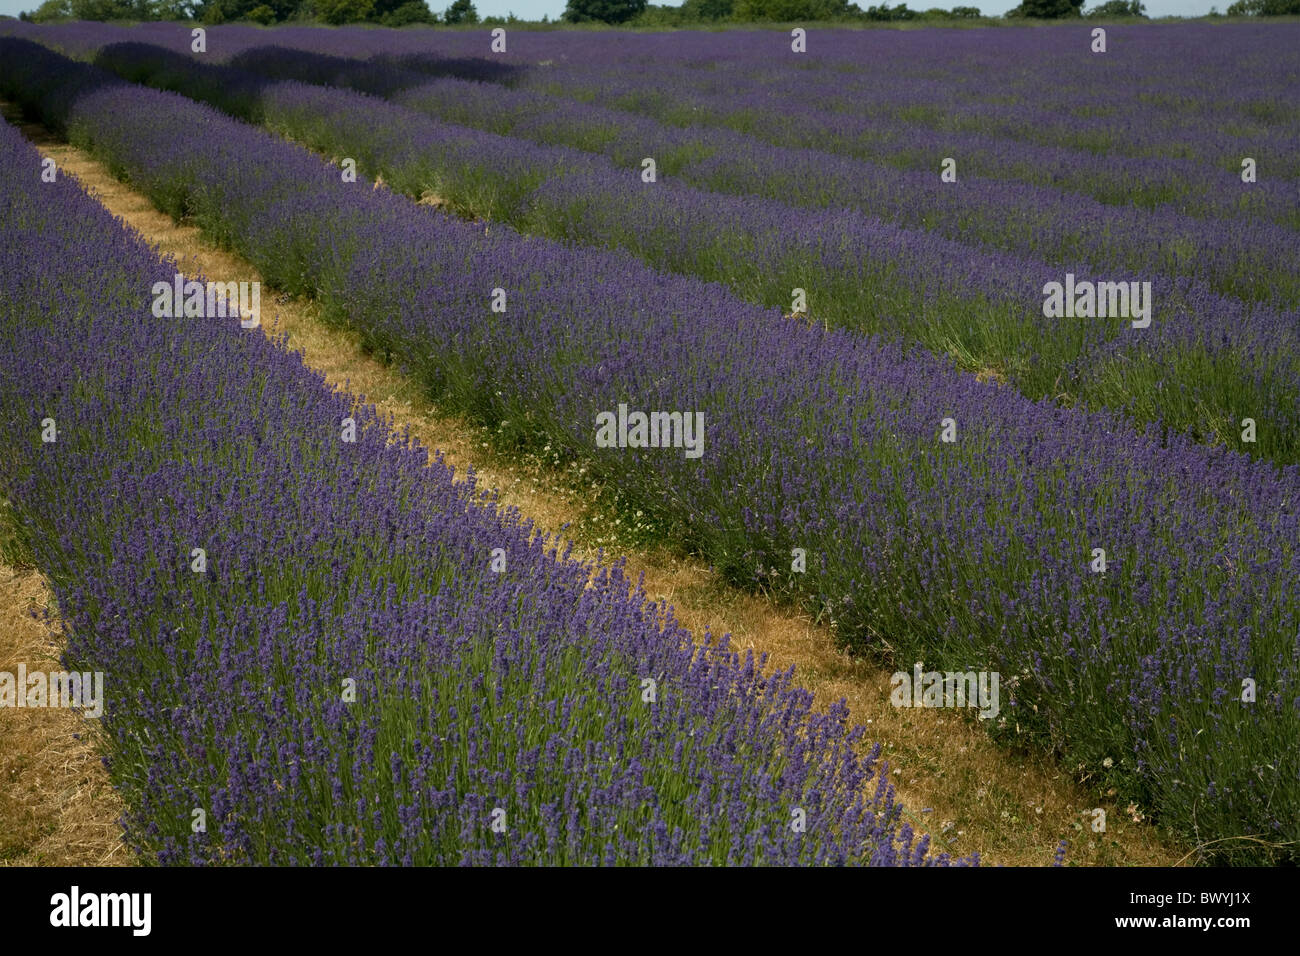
x=981, y=345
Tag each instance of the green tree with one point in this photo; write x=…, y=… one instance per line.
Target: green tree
x=406, y=12
x=790, y=11
x=52, y=10
x=693, y=10
x=384, y=7
x=657, y=15
x=888, y=13
x=224, y=11
x=111, y=10
x=337, y=12
x=1264, y=8
x=461, y=11
x=176, y=9
x=602, y=11
x=1047, y=9
x=1119, y=8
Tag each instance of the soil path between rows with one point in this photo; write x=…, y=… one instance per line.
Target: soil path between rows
x=968, y=793
x=57, y=807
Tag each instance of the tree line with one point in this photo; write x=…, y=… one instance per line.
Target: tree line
x=397, y=13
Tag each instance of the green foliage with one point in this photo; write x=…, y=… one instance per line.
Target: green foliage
x=224, y=11
x=174, y=9
x=405, y=13
x=885, y=12
x=602, y=11
x=777, y=11
x=788, y=11
x=655, y=15
x=52, y=10
x=461, y=11
x=384, y=7
x=707, y=10
x=399, y=13
x=1047, y=9
x=111, y=9
x=1264, y=8
x=1119, y=8
x=337, y=12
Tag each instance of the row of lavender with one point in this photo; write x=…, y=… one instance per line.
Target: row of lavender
x=1198, y=92
x=1035, y=105
x=977, y=554
x=913, y=132
x=1036, y=87
x=781, y=148
x=346, y=677
x=1206, y=363
x=1055, y=72
x=689, y=137
x=1022, y=219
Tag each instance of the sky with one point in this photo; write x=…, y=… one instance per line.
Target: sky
x=534, y=9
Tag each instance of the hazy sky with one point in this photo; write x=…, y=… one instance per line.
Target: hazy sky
x=534, y=9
